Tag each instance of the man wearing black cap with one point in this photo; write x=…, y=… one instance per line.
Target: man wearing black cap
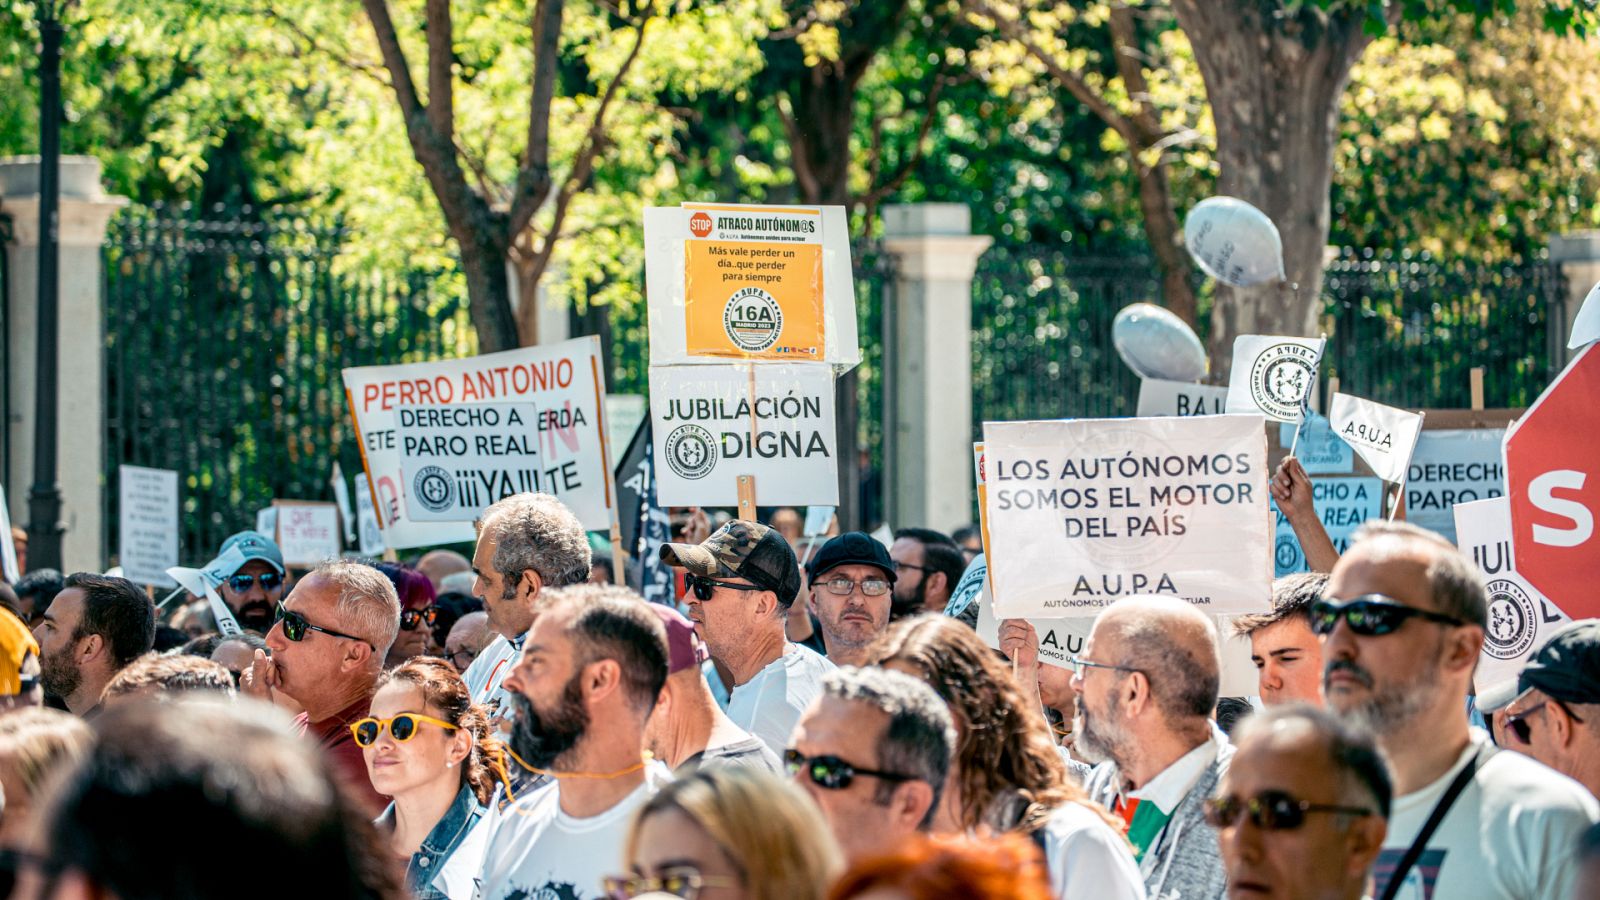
x=852, y=578
x=1555, y=717
x=740, y=585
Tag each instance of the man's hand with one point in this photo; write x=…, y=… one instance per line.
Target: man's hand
x=1291, y=487
x=698, y=528
x=1019, y=641
x=261, y=679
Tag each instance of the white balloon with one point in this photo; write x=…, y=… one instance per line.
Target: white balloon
x=1586, y=324
x=1157, y=344
x=1234, y=242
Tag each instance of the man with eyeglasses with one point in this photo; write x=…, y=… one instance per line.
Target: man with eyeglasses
x=851, y=580
x=1555, y=717
x=929, y=564
x=741, y=582
x=467, y=639
x=1302, y=812
x=327, y=652
x=253, y=589
x=873, y=750
x=1402, y=625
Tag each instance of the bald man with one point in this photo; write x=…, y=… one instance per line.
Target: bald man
x=467, y=638
x=436, y=564
x=1146, y=685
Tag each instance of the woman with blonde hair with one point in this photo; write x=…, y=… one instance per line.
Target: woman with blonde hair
x=1007, y=775
x=35, y=744
x=728, y=834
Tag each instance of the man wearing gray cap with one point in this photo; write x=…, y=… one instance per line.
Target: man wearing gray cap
x=252, y=590
x=1555, y=717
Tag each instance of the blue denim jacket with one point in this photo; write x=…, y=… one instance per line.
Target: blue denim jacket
x=440, y=844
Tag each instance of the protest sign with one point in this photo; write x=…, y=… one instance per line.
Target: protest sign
x=773, y=421
x=1320, y=451
x=1082, y=512
x=1273, y=375
x=341, y=496
x=1586, y=324
x=1342, y=504
x=147, y=513
x=738, y=282
x=8, y=548
x=1158, y=397
x=563, y=384
x=1384, y=436
x=308, y=532
x=267, y=521
x=1452, y=466
x=369, y=533
x=1520, y=618
x=457, y=460
x=818, y=519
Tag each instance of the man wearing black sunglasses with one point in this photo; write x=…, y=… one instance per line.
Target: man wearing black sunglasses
x=1402, y=623
x=253, y=589
x=1555, y=717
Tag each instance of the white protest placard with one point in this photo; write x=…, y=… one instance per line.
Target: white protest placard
x=818, y=518
x=368, y=531
x=1384, y=436
x=773, y=421
x=1273, y=375
x=1081, y=512
x=1320, y=451
x=1453, y=466
x=1343, y=505
x=8, y=548
x=457, y=460
x=308, y=533
x=267, y=521
x=1158, y=397
x=1520, y=618
x=739, y=282
x=563, y=382
x=341, y=496
x=1586, y=324
x=147, y=513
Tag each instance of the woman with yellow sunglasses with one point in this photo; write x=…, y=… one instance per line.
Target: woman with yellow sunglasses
x=428, y=746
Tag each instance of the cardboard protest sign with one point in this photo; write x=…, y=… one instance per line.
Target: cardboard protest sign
x=1273, y=375
x=308, y=533
x=368, y=532
x=1384, y=436
x=1158, y=397
x=8, y=548
x=1082, y=512
x=1452, y=466
x=1343, y=505
x=563, y=385
x=772, y=421
x=1320, y=451
x=740, y=282
x=1520, y=618
x=147, y=513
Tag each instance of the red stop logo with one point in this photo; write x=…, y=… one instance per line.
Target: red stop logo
x=700, y=224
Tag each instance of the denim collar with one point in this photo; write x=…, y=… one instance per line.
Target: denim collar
x=453, y=827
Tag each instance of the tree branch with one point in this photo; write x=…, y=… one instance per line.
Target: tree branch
x=441, y=78
x=533, y=178
x=394, y=59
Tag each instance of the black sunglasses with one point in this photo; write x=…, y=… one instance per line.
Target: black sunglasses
x=831, y=772
x=295, y=627
x=410, y=617
x=703, y=586
x=269, y=581
x=1270, y=811
x=1518, y=724
x=1371, y=615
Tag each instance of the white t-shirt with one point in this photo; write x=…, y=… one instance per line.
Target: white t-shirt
x=486, y=677
x=1088, y=859
x=769, y=705
x=1512, y=833
x=536, y=850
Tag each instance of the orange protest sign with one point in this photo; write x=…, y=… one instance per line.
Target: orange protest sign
x=753, y=283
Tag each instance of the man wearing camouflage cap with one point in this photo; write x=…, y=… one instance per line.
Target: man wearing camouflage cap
x=739, y=586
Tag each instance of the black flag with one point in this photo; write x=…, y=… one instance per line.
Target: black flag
x=645, y=525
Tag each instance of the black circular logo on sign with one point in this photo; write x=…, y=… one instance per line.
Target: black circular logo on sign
x=1280, y=379
x=1513, y=621
x=752, y=319
x=433, y=489
x=691, y=451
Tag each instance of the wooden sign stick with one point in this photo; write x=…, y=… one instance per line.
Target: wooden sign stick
x=747, y=497
x=1477, y=387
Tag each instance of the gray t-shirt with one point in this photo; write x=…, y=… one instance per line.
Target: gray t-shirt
x=750, y=753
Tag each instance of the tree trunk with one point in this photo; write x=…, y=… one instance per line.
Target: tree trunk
x=483, y=261
x=1165, y=236
x=1274, y=80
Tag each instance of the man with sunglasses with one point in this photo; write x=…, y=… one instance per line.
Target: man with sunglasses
x=852, y=578
x=1402, y=625
x=873, y=750
x=1555, y=717
x=741, y=582
x=252, y=590
x=1301, y=813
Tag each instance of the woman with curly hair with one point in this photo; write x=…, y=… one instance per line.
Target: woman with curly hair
x=1007, y=775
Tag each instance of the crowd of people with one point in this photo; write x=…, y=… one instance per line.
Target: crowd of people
x=801, y=725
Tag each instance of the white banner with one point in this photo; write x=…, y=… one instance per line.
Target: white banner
x=1450, y=467
x=1520, y=618
x=562, y=381
x=308, y=533
x=1158, y=397
x=1082, y=512
x=457, y=460
x=341, y=496
x=1384, y=436
x=1273, y=375
x=368, y=531
x=774, y=421
x=147, y=531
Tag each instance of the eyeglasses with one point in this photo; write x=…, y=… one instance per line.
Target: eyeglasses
x=831, y=772
x=402, y=728
x=900, y=565
x=1079, y=666
x=1518, y=725
x=1371, y=615
x=842, y=587
x=410, y=617
x=703, y=587
x=295, y=627
x=679, y=881
x=1270, y=811
x=462, y=659
x=269, y=581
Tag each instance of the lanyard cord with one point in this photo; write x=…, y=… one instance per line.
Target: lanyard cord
x=559, y=775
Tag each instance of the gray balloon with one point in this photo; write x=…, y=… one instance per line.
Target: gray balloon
x=1157, y=344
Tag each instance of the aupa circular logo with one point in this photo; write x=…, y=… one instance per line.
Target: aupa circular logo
x=752, y=319
x=1281, y=378
x=433, y=489
x=1513, y=622
x=691, y=451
